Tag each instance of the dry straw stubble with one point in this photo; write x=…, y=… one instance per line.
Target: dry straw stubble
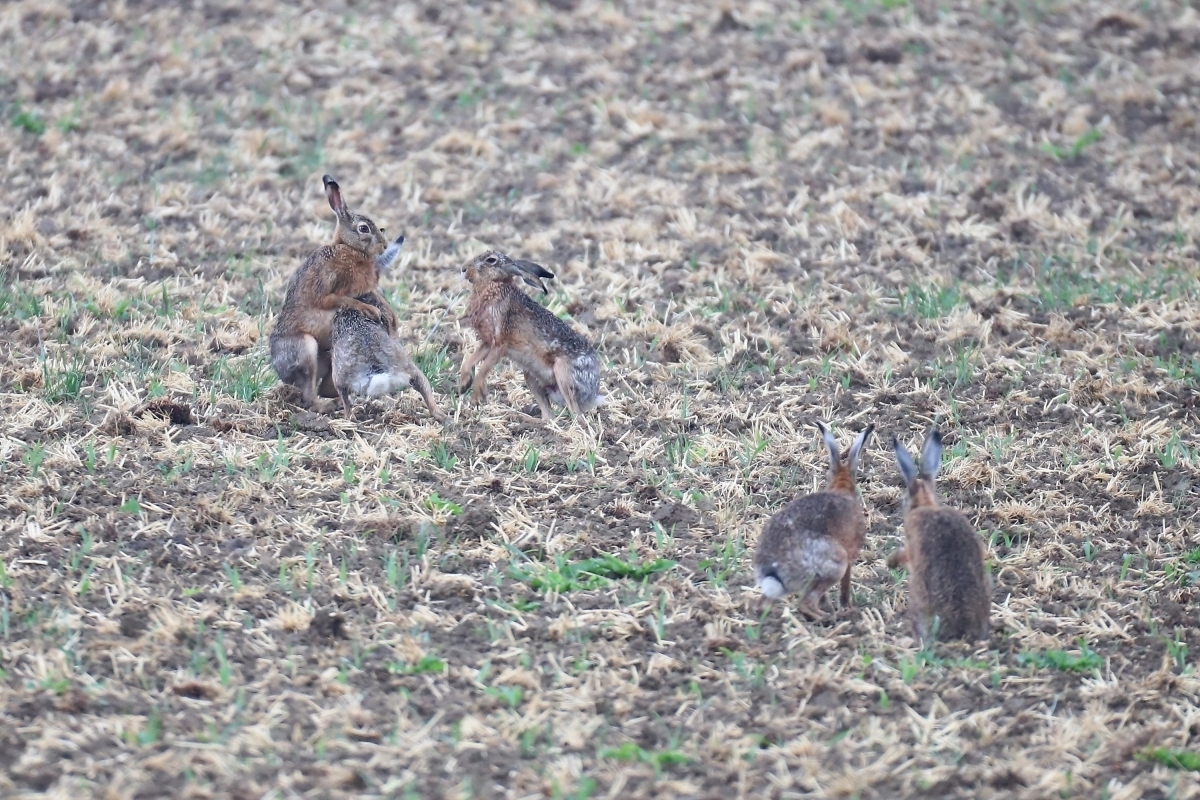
x=883, y=212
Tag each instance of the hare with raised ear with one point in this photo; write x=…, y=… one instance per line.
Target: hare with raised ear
x=811, y=543
x=331, y=279
x=948, y=592
x=367, y=360
x=559, y=365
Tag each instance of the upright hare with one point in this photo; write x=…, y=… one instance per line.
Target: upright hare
x=948, y=593
x=332, y=278
x=560, y=366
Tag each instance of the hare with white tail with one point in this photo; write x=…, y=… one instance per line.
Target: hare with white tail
x=560, y=366
x=811, y=543
x=367, y=359
x=331, y=279
x=948, y=592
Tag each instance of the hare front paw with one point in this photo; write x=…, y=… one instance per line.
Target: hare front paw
x=371, y=311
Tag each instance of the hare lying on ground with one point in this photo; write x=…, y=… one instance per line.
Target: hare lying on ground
x=948, y=592
x=811, y=543
x=332, y=278
x=560, y=366
x=369, y=361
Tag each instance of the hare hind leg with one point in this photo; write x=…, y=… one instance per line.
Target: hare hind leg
x=539, y=394
x=421, y=384
x=325, y=384
x=344, y=394
x=296, y=361
x=831, y=564
x=564, y=374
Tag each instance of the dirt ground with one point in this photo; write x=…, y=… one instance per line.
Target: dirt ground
x=764, y=214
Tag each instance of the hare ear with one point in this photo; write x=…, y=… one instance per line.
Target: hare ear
x=931, y=454
x=835, y=456
x=334, y=193
x=533, y=269
x=383, y=261
x=533, y=273
x=856, y=448
x=904, y=461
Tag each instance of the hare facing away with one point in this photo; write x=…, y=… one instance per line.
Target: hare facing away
x=811, y=543
x=560, y=366
x=948, y=592
x=332, y=278
x=370, y=362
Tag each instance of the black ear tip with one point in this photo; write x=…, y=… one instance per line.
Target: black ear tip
x=895, y=443
x=399, y=239
x=820, y=427
x=935, y=436
x=533, y=269
x=328, y=181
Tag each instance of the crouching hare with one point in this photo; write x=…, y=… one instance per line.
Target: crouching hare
x=810, y=544
x=367, y=359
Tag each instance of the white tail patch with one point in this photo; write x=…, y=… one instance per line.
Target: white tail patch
x=382, y=383
x=771, y=587
x=601, y=399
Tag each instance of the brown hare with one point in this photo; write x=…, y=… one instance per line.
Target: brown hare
x=948, y=593
x=367, y=361
x=560, y=366
x=811, y=543
x=331, y=278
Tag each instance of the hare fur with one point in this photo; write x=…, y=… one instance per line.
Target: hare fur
x=948, y=589
x=332, y=278
x=811, y=543
x=559, y=365
x=370, y=362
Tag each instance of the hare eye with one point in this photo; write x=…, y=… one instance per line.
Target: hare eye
x=363, y=229
x=491, y=260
